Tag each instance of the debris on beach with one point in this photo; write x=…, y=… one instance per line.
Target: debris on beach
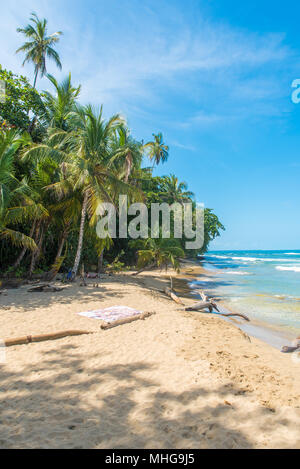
x=45, y=289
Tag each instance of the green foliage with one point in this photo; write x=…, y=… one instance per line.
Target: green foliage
x=59, y=160
x=20, y=100
x=39, y=46
x=158, y=253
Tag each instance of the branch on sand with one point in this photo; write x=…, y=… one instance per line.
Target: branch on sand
x=170, y=293
x=43, y=338
x=209, y=304
x=121, y=322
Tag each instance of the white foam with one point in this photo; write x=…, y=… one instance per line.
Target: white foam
x=232, y=272
x=220, y=257
x=293, y=268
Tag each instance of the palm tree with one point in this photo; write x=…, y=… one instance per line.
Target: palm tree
x=157, y=253
x=158, y=152
x=16, y=204
x=59, y=106
x=126, y=153
x=84, y=155
x=175, y=191
x=39, y=45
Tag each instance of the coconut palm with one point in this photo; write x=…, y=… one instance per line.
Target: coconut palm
x=158, y=253
x=39, y=45
x=127, y=153
x=175, y=191
x=84, y=155
x=158, y=152
x=59, y=106
x=16, y=204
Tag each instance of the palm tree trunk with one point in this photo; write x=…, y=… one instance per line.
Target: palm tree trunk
x=36, y=237
x=53, y=272
x=144, y=269
x=36, y=254
x=35, y=78
x=24, y=250
x=100, y=262
x=62, y=243
x=81, y=233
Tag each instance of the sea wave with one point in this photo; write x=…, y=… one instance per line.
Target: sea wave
x=252, y=259
x=294, y=268
x=232, y=272
x=221, y=257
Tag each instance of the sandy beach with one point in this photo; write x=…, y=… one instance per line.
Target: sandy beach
x=176, y=380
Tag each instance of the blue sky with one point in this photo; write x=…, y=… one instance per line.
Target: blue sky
x=213, y=76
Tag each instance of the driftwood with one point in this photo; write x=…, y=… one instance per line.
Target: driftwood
x=287, y=349
x=294, y=348
x=44, y=289
x=121, y=322
x=211, y=306
x=43, y=338
x=229, y=315
x=172, y=295
x=201, y=306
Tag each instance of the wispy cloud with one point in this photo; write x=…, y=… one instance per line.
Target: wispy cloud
x=144, y=52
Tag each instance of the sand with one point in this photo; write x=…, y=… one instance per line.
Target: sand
x=175, y=380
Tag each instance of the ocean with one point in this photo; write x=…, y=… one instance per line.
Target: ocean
x=265, y=285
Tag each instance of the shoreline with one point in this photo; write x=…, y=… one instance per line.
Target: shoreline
x=262, y=330
x=175, y=380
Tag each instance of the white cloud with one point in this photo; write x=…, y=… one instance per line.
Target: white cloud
x=130, y=54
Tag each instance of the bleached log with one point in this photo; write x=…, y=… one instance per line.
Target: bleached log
x=210, y=305
x=43, y=338
x=121, y=322
x=172, y=295
x=200, y=306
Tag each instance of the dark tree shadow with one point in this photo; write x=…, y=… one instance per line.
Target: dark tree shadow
x=45, y=404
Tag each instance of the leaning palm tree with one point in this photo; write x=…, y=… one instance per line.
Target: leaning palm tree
x=39, y=45
x=158, y=152
x=160, y=252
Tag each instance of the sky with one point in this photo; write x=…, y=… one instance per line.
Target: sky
x=215, y=77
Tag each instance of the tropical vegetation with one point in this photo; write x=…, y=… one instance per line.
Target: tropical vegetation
x=59, y=159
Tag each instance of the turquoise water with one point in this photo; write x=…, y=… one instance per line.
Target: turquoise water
x=263, y=284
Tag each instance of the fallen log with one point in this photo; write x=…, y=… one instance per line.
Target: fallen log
x=44, y=289
x=43, y=338
x=121, y=322
x=213, y=305
x=172, y=295
x=294, y=348
x=287, y=349
x=200, y=306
